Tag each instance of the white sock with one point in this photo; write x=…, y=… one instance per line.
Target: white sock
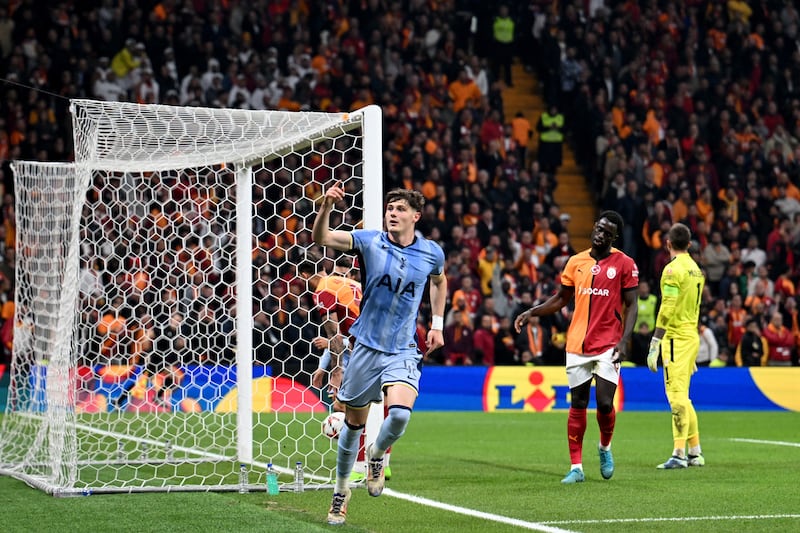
x=679, y=453
x=695, y=450
x=377, y=453
x=341, y=484
x=579, y=466
x=604, y=448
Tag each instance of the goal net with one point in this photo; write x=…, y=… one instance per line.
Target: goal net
x=162, y=335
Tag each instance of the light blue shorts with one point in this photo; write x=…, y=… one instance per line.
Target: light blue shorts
x=369, y=371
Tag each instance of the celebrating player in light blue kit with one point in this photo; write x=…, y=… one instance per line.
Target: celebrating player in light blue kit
x=395, y=266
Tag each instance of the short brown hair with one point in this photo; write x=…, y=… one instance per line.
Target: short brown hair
x=680, y=237
x=414, y=198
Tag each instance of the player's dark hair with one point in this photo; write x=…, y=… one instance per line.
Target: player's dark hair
x=414, y=198
x=613, y=217
x=307, y=267
x=680, y=237
x=344, y=261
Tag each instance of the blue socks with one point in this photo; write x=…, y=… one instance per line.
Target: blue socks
x=348, y=450
x=392, y=429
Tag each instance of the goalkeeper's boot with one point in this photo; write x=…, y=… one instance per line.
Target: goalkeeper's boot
x=574, y=476
x=696, y=460
x=338, y=511
x=375, y=474
x=606, y=463
x=673, y=463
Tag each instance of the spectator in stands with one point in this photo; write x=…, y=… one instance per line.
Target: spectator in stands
x=464, y=92
x=505, y=348
x=571, y=75
x=647, y=304
x=458, y=341
x=753, y=252
x=715, y=259
x=551, y=139
x=533, y=343
x=781, y=342
x=477, y=71
x=106, y=88
x=127, y=62
x=709, y=348
x=762, y=278
x=471, y=296
x=483, y=341
x=487, y=263
x=521, y=133
x=148, y=90
x=752, y=349
x=504, y=50
x=557, y=257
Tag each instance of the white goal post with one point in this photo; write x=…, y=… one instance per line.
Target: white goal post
x=162, y=337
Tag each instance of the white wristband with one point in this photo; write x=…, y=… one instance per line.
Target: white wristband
x=437, y=322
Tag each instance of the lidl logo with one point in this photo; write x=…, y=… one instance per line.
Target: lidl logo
x=537, y=389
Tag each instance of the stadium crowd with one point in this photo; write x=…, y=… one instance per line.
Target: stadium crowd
x=689, y=111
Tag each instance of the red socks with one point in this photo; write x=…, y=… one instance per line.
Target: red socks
x=576, y=427
x=606, y=422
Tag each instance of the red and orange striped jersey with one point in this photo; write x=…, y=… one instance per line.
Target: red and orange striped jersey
x=342, y=296
x=597, y=320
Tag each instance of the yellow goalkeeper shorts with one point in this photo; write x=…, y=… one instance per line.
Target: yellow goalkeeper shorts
x=679, y=354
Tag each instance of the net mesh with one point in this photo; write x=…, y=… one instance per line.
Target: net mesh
x=124, y=374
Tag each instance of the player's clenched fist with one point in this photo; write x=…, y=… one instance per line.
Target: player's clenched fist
x=333, y=195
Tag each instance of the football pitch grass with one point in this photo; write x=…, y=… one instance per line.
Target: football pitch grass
x=476, y=472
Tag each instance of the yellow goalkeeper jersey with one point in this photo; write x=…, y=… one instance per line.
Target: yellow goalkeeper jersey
x=682, y=284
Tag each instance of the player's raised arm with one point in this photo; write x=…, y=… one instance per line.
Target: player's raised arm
x=438, y=293
x=321, y=232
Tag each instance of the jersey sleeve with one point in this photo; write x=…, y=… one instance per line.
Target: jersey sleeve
x=438, y=269
x=630, y=278
x=361, y=237
x=670, y=290
x=568, y=274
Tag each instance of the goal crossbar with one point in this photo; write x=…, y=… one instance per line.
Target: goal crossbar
x=161, y=137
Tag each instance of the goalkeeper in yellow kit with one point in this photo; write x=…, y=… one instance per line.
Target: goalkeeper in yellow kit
x=676, y=341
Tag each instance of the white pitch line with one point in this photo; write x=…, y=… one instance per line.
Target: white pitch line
x=536, y=526
x=672, y=519
x=772, y=442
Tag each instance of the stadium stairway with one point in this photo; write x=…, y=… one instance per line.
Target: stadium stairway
x=572, y=193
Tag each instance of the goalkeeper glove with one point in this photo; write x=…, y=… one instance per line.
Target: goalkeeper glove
x=652, y=354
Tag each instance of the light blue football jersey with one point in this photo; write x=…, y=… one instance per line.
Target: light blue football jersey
x=393, y=280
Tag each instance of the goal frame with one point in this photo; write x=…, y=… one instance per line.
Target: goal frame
x=95, y=155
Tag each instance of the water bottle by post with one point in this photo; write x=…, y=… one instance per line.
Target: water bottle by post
x=298, y=476
x=242, y=478
x=272, y=480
